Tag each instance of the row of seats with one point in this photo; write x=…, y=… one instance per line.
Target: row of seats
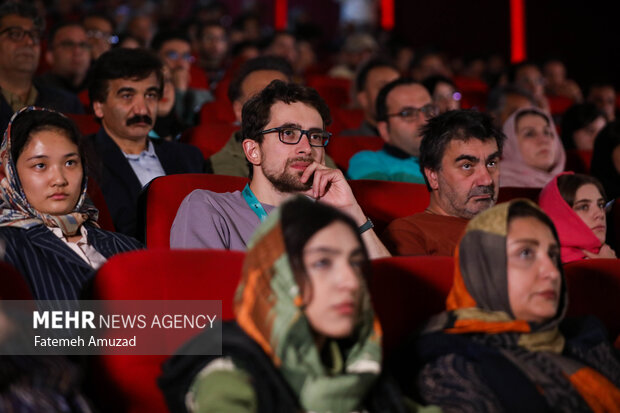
x=406, y=291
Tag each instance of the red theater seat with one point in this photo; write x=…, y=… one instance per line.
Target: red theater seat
x=406, y=291
x=210, y=137
x=342, y=148
x=384, y=201
x=508, y=193
x=95, y=194
x=345, y=119
x=578, y=161
x=559, y=104
x=128, y=383
x=13, y=286
x=87, y=124
x=594, y=289
x=217, y=111
x=335, y=90
x=161, y=199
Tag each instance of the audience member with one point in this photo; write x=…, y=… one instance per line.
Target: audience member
x=576, y=205
x=213, y=51
x=48, y=224
x=68, y=55
x=503, y=101
x=167, y=124
x=174, y=50
x=281, y=44
x=370, y=78
x=534, y=153
x=125, y=89
x=20, y=48
x=603, y=95
x=606, y=159
x=357, y=48
x=429, y=64
x=503, y=343
x=443, y=92
x=142, y=28
x=100, y=32
x=284, y=139
x=252, y=77
x=580, y=125
x=403, y=107
x=459, y=156
x=526, y=75
x=311, y=268
x=557, y=84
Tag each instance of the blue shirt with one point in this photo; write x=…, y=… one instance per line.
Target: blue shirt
x=146, y=165
x=387, y=164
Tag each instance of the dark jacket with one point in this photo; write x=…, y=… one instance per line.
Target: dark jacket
x=48, y=97
x=53, y=271
x=120, y=185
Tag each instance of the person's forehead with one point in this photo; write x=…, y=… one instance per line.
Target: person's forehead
x=258, y=80
x=408, y=96
x=73, y=32
x=175, y=44
x=15, y=20
x=381, y=74
x=297, y=113
x=529, y=71
x=97, y=23
x=470, y=147
x=133, y=83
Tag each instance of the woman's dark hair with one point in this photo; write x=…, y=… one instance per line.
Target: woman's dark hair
x=302, y=218
x=570, y=183
x=525, y=209
x=602, y=166
x=577, y=117
x=30, y=122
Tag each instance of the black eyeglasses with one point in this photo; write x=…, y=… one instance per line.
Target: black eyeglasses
x=174, y=55
x=291, y=135
x=412, y=114
x=16, y=34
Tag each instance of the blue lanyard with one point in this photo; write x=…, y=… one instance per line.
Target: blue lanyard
x=253, y=203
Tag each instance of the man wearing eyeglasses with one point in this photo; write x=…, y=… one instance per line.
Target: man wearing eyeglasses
x=284, y=140
x=403, y=107
x=68, y=55
x=174, y=50
x=20, y=49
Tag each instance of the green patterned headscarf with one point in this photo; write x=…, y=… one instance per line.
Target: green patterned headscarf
x=269, y=308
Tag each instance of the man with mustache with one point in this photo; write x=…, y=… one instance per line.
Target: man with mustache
x=284, y=139
x=21, y=28
x=125, y=88
x=403, y=107
x=459, y=157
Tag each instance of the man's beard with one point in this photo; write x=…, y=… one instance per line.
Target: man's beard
x=287, y=181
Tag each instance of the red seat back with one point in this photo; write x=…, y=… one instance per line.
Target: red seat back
x=406, y=291
x=578, y=161
x=163, y=196
x=342, y=148
x=128, y=383
x=95, y=194
x=345, y=119
x=87, y=124
x=593, y=289
x=13, y=286
x=508, y=193
x=384, y=201
x=335, y=90
x=217, y=111
x=210, y=137
x=559, y=104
